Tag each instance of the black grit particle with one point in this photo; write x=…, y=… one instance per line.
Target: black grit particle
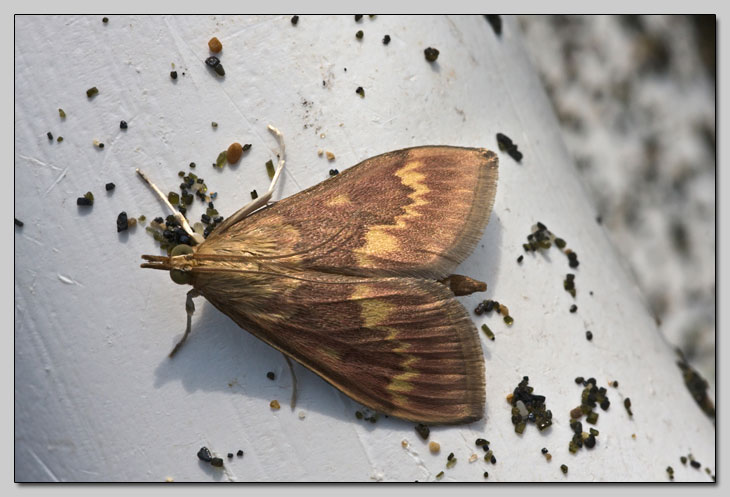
x=564, y=469
x=109, y=186
x=212, y=61
x=520, y=258
x=254, y=195
x=122, y=222
x=386, y=39
x=92, y=92
x=423, y=430
x=217, y=462
x=230, y=455
x=573, y=308
x=589, y=335
x=695, y=464
x=360, y=91
x=205, y=455
x=84, y=201
x=105, y=20
x=173, y=74
x=627, y=405
x=19, y=223
x=334, y=172
x=358, y=17
x=49, y=135
x=270, y=375
x=295, y=20
x=496, y=22
x=359, y=35
x=123, y=125
x=431, y=54
x=239, y=453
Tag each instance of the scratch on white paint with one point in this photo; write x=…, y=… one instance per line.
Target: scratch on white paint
x=67, y=280
x=39, y=162
x=43, y=465
x=416, y=458
x=58, y=180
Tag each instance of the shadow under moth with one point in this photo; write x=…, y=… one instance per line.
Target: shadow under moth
x=352, y=278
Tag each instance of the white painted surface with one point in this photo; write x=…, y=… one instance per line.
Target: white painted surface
x=96, y=398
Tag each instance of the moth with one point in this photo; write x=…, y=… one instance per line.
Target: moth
x=352, y=278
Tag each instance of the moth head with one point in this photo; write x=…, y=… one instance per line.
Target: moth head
x=178, y=275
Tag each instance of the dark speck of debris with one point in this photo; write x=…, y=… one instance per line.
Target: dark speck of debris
x=573, y=308
x=295, y=20
x=386, y=39
x=359, y=35
x=217, y=462
x=109, y=186
x=254, y=195
x=230, y=455
x=589, y=335
x=122, y=222
x=520, y=258
x=212, y=61
x=627, y=405
x=91, y=92
x=431, y=54
x=334, y=172
x=564, y=469
x=358, y=17
x=204, y=454
x=18, y=223
x=173, y=74
x=86, y=200
x=360, y=92
x=696, y=385
x=695, y=464
x=496, y=23
x=270, y=375
x=423, y=430
x=527, y=406
x=122, y=124
x=105, y=20
x=49, y=135
x=239, y=453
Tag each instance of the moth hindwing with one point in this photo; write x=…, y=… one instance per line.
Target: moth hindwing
x=342, y=277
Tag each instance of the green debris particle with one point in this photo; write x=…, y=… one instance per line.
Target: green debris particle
x=592, y=417
x=221, y=160
x=509, y=320
x=61, y=114
x=270, y=169
x=528, y=407
x=89, y=196
x=173, y=197
x=59, y=139
x=92, y=92
x=440, y=475
x=564, y=469
x=488, y=332
x=423, y=431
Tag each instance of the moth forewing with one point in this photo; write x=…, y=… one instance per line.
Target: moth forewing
x=342, y=278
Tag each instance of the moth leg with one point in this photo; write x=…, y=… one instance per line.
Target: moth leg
x=178, y=215
x=190, y=309
x=293, y=401
x=463, y=285
x=263, y=199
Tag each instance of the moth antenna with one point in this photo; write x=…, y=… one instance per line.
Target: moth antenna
x=293, y=401
x=263, y=199
x=190, y=309
x=178, y=215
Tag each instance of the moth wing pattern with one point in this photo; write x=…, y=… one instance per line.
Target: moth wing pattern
x=341, y=277
x=401, y=346
x=415, y=212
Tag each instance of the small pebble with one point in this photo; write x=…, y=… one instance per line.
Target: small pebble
x=359, y=35
x=217, y=462
x=239, y=453
x=270, y=375
x=589, y=335
x=386, y=39
x=431, y=54
x=122, y=222
x=91, y=92
x=330, y=155
x=109, y=186
x=360, y=92
x=434, y=447
x=19, y=223
x=234, y=153
x=173, y=74
x=204, y=454
x=295, y=20
x=105, y=20
x=215, y=45
x=274, y=404
x=122, y=124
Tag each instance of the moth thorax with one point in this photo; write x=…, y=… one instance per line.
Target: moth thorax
x=180, y=276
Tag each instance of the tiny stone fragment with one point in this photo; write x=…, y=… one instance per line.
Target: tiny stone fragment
x=221, y=159
x=204, y=454
x=431, y=54
x=105, y=20
x=215, y=45
x=360, y=91
x=212, y=61
x=123, y=125
x=573, y=308
x=434, y=447
x=295, y=20
x=19, y=223
x=61, y=114
x=270, y=169
x=122, y=222
x=274, y=404
x=219, y=70
x=173, y=74
x=423, y=430
x=234, y=153
x=334, y=172
x=330, y=156
x=627, y=405
x=496, y=22
x=49, y=135
x=589, y=335
x=217, y=462
x=254, y=195
x=91, y=92
x=270, y=375
x=109, y=186
x=239, y=453
x=564, y=469
x=386, y=39
x=359, y=35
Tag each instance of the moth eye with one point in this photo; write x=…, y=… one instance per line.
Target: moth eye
x=179, y=276
x=181, y=249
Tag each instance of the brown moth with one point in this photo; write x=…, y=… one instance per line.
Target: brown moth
x=352, y=278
